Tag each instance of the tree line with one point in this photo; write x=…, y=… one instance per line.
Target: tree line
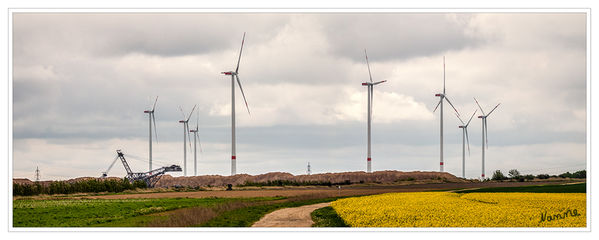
x=514, y=174
x=85, y=186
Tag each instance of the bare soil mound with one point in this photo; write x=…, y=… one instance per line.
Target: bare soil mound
x=238, y=179
x=334, y=178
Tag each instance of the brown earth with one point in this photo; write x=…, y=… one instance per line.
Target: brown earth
x=220, y=181
x=351, y=190
x=353, y=177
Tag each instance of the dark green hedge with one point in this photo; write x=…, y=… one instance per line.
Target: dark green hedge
x=87, y=186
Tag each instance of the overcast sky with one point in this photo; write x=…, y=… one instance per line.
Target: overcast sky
x=82, y=81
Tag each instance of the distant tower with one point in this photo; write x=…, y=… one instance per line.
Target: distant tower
x=309, y=170
x=37, y=174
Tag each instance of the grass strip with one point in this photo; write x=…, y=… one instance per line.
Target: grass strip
x=99, y=212
x=327, y=217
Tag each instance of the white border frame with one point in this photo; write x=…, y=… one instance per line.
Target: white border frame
x=12, y=11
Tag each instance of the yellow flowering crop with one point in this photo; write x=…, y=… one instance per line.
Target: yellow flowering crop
x=444, y=209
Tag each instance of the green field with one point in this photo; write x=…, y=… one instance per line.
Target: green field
x=96, y=212
x=327, y=217
x=568, y=188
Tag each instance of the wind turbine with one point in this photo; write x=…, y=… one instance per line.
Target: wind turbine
x=152, y=120
x=443, y=96
x=185, y=137
x=485, y=140
x=464, y=128
x=370, y=86
x=195, y=137
x=235, y=75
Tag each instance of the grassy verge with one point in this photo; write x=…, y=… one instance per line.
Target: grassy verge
x=327, y=217
x=245, y=217
x=97, y=212
x=569, y=188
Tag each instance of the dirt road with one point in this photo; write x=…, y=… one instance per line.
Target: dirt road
x=290, y=217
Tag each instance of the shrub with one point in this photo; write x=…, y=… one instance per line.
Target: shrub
x=528, y=177
x=514, y=173
x=543, y=176
x=498, y=175
x=87, y=186
x=580, y=174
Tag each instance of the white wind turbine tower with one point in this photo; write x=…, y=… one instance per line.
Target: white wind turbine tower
x=235, y=75
x=370, y=86
x=185, y=122
x=196, y=137
x=464, y=128
x=441, y=97
x=485, y=140
x=152, y=120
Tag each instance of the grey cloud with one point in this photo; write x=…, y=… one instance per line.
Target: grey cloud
x=148, y=33
x=397, y=36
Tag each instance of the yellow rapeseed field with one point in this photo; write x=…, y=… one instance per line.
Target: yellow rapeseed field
x=444, y=209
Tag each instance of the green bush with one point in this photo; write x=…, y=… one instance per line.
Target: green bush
x=498, y=175
x=543, y=176
x=528, y=177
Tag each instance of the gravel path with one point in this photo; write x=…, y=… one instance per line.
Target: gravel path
x=290, y=217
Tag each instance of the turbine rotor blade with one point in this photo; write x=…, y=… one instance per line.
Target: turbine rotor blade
x=368, y=64
x=182, y=113
x=493, y=109
x=438, y=105
x=467, y=140
x=240, y=50
x=154, y=107
x=451, y=105
x=199, y=142
x=243, y=94
x=197, y=120
x=379, y=82
x=459, y=118
x=371, y=100
x=155, y=132
x=188, y=137
x=481, y=109
x=191, y=113
x=486, y=134
x=443, y=74
x=471, y=117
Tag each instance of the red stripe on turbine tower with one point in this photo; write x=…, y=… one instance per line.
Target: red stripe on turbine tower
x=369, y=159
x=441, y=163
x=233, y=157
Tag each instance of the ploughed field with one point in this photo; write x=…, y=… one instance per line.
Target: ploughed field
x=346, y=190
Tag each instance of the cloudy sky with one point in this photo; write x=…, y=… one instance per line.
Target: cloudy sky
x=81, y=82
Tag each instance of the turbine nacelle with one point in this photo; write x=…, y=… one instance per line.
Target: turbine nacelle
x=439, y=95
x=461, y=126
x=482, y=116
x=182, y=121
x=193, y=130
x=149, y=111
x=229, y=73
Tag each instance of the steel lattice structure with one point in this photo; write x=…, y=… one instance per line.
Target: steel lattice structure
x=150, y=177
